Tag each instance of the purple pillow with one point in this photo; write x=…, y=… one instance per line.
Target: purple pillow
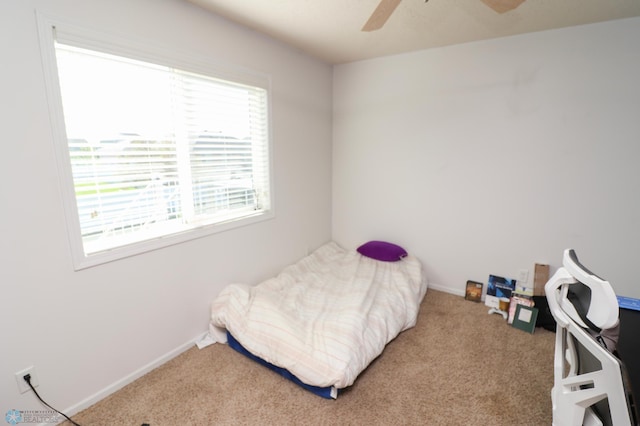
x=381, y=250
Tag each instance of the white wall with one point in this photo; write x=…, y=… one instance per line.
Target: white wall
x=90, y=331
x=480, y=158
x=488, y=157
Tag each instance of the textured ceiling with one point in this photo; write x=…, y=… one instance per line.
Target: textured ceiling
x=331, y=29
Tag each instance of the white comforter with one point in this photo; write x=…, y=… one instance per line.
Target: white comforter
x=326, y=317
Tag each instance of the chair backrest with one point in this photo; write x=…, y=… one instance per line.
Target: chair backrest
x=590, y=287
x=588, y=386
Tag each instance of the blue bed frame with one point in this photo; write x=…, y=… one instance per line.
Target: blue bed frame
x=325, y=392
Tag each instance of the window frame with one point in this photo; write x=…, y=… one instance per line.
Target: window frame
x=51, y=29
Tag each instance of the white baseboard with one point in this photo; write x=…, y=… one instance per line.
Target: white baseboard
x=86, y=403
x=457, y=292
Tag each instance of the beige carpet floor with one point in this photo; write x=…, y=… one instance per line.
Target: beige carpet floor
x=458, y=366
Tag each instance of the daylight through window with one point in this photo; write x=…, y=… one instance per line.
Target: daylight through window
x=156, y=151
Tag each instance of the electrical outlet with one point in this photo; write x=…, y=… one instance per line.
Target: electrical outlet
x=523, y=275
x=23, y=386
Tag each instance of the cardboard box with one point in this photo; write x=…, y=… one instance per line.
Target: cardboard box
x=540, y=278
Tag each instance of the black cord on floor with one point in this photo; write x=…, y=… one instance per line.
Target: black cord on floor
x=27, y=378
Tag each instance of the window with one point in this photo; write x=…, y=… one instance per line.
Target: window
x=152, y=152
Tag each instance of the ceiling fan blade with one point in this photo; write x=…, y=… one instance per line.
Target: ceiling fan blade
x=502, y=6
x=380, y=15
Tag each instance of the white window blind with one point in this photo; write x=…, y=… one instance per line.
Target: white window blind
x=156, y=151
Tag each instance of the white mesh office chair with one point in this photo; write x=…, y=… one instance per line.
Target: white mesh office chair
x=589, y=388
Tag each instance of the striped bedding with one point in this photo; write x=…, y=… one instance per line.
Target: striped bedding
x=324, y=318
